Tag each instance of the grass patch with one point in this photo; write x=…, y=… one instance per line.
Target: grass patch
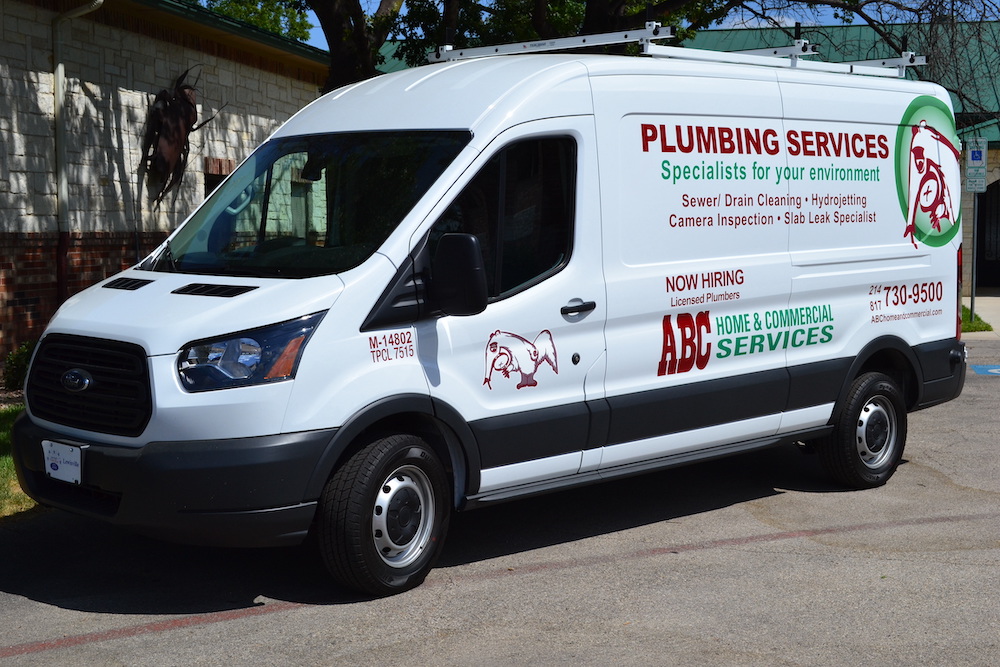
x=12, y=499
x=974, y=325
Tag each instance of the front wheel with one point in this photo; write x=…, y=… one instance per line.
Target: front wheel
x=384, y=515
x=866, y=445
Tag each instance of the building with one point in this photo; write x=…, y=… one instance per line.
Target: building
x=116, y=56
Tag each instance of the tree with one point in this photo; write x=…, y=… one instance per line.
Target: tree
x=958, y=36
x=354, y=36
x=282, y=17
x=471, y=24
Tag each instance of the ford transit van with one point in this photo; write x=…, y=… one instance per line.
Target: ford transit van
x=496, y=277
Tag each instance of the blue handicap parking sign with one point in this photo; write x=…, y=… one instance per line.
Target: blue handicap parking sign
x=985, y=370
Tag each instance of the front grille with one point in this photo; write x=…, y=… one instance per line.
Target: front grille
x=117, y=400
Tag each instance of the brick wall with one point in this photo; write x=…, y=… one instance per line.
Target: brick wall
x=28, y=291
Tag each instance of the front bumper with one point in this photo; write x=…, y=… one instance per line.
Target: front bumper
x=238, y=493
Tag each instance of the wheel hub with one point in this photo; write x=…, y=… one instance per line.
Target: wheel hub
x=876, y=432
x=402, y=516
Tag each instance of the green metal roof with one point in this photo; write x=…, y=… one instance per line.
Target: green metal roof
x=962, y=67
x=391, y=62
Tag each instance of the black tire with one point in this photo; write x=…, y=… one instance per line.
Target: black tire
x=867, y=443
x=383, y=516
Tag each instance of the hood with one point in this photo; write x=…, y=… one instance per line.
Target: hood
x=164, y=311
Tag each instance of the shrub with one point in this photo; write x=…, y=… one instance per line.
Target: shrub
x=16, y=367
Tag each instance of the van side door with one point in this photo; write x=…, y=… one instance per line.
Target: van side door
x=521, y=372
x=696, y=255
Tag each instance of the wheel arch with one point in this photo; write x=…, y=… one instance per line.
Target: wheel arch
x=438, y=424
x=893, y=357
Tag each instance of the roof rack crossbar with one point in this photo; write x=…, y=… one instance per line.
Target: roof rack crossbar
x=651, y=31
x=905, y=59
x=800, y=48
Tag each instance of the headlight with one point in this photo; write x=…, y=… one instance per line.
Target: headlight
x=269, y=354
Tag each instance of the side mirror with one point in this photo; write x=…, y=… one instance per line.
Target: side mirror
x=458, y=277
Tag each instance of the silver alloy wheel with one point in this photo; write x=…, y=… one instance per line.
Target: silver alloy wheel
x=403, y=516
x=876, y=432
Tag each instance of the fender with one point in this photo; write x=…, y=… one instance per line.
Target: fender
x=912, y=368
x=463, y=447
x=454, y=431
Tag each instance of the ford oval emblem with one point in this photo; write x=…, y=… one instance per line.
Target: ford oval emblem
x=77, y=380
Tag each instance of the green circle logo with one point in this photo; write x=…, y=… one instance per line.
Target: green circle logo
x=928, y=175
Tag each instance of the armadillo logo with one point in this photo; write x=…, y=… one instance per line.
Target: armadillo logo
x=928, y=177
x=509, y=353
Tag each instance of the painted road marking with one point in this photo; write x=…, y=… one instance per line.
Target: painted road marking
x=985, y=370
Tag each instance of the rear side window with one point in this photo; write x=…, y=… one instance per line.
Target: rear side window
x=520, y=206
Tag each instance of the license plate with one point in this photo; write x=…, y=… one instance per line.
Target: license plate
x=63, y=462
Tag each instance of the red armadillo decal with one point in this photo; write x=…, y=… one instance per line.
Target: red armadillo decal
x=509, y=353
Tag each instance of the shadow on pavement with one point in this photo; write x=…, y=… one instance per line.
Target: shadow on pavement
x=81, y=564
x=622, y=504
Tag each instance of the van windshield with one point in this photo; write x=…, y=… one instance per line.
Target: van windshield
x=310, y=205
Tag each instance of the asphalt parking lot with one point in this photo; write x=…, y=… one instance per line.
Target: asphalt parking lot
x=753, y=560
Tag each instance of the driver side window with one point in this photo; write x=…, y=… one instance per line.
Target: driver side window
x=521, y=207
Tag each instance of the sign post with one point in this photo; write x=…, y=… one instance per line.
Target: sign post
x=975, y=182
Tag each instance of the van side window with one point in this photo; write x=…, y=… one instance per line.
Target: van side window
x=521, y=208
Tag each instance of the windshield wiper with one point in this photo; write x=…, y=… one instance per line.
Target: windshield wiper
x=168, y=256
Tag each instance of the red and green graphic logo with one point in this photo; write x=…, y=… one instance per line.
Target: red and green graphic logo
x=928, y=176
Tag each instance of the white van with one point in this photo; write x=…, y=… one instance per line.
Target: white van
x=501, y=276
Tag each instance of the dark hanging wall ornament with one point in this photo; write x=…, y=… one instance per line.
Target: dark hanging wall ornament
x=172, y=117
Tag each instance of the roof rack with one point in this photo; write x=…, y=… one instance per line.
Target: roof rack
x=651, y=31
x=905, y=59
x=800, y=48
x=788, y=56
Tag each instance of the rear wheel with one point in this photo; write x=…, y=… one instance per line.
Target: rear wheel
x=384, y=515
x=866, y=445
